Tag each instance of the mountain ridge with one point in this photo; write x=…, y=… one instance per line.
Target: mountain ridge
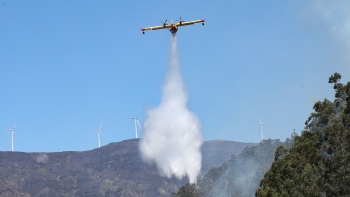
x=112, y=170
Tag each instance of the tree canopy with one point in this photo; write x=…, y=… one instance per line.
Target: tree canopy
x=318, y=164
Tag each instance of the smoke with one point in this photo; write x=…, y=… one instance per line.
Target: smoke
x=333, y=19
x=241, y=175
x=42, y=158
x=172, y=137
x=336, y=16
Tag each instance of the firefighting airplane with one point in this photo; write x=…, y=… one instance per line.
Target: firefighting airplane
x=173, y=26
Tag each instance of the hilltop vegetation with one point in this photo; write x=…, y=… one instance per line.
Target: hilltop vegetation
x=319, y=162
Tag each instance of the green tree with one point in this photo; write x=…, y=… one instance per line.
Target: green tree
x=189, y=190
x=318, y=164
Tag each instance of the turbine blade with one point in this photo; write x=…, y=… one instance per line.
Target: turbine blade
x=259, y=120
x=7, y=129
x=102, y=134
x=15, y=125
x=14, y=134
x=138, y=124
x=138, y=112
x=100, y=125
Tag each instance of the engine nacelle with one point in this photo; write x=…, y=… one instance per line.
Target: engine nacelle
x=203, y=24
x=143, y=32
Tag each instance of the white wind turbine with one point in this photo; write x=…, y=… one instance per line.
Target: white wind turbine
x=13, y=134
x=136, y=122
x=261, y=133
x=98, y=131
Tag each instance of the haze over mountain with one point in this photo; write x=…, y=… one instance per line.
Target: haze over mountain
x=112, y=170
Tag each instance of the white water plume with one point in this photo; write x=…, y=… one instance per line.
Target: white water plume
x=172, y=137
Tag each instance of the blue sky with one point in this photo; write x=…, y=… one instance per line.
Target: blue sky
x=68, y=65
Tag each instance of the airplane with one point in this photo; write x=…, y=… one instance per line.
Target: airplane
x=173, y=27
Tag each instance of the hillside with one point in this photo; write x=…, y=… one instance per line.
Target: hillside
x=112, y=170
x=240, y=175
x=217, y=152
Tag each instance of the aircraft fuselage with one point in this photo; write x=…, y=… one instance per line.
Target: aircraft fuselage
x=173, y=29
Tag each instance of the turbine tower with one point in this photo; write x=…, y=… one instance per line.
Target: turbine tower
x=98, y=131
x=13, y=134
x=261, y=133
x=136, y=122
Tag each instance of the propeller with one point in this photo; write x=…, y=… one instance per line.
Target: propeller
x=180, y=20
x=164, y=21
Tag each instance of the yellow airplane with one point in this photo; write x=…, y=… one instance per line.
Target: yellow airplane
x=173, y=26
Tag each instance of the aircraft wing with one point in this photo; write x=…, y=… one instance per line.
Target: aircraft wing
x=155, y=28
x=189, y=22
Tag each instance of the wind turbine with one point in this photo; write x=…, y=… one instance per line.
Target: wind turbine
x=98, y=131
x=136, y=122
x=13, y=134
x=261, y=124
